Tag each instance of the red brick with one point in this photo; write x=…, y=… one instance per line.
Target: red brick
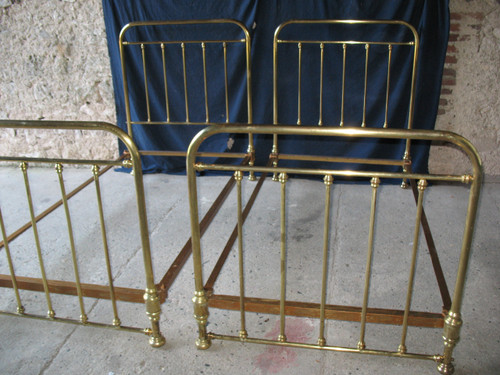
x=449, y=82
x=449, y=72
x=441, y=111
x=455, y=16
x=478, y=16
x=451, y=48
x=455, y=27
x=453, y=37
x=443, y=102
x=450, y=59
x=446, y=91
x=464, y=38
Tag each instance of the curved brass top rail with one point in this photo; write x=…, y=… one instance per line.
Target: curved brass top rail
x=349, y=132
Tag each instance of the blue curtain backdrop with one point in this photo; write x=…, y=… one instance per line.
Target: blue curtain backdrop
x=429, y=17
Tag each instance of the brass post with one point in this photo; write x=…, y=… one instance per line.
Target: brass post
x=299, y=46
x=367, y=48
x=388, y=85
x=322, y=56
x=203, y=48
x=283, y=178
x=453, y=321
x=146, y=89
x=344, y=52
x=201, y=315
x=422, y=184
x=165, y=80
x=116, y=319
x=375, y=182
x=83, y=315
x=153, y=311
x=200, y=302
x=238, y=176
x=328, y=180
x=226, y=91
x=183, y=48
x=50, y=312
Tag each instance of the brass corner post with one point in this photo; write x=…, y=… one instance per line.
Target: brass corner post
x=201, y=315
x=153, y=311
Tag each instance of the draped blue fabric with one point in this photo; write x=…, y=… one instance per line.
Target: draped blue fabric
x=429, y=17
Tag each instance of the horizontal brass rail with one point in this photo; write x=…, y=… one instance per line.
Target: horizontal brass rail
x=431, y=357
x=351, y=42
x=145, y=331
x=125, y=43
x=334, y=159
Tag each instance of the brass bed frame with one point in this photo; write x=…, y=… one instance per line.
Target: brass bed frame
x=345, y=129
x=205, y=296
x=131, y=41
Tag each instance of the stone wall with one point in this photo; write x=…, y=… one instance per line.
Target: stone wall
x=470, y=96
x=54, y=65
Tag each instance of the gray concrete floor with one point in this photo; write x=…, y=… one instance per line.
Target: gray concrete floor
x=40, y=347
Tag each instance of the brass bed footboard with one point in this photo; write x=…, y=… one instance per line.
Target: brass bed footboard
x=206, y=298
x=149, y=295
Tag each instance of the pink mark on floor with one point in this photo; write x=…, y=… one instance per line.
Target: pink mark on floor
x=276, y=358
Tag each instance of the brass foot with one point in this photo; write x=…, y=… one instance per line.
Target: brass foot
x=203, y=344
x=404, y=184
x=157, y=341
x=446, y=368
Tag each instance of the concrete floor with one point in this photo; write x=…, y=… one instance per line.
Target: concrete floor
x=40, y=347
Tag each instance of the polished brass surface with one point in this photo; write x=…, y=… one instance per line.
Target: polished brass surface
x=374, y=182
x=328, y=180
x=24, y=168
x=283, y=178
x=95, y=172
x=83, y=315
x=150, y=297
x=321, y=310
x=422, y=184
x=238, y=176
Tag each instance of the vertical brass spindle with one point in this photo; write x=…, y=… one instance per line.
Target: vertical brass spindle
x=83, y=315
x=328, y=180
x=422, y=184
x=238, y=176
x=20, y=307
x=367, y=48
x=375, y=182
x=226, y=91
x=183, y=47
x=388, y=83
x=95, y=171
x=146, y=89
x=50, y=313
x=322, y=55
x=299, y=46
x=203, y=48
x=283, y=179
x=167, y=106
x=344, y=52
